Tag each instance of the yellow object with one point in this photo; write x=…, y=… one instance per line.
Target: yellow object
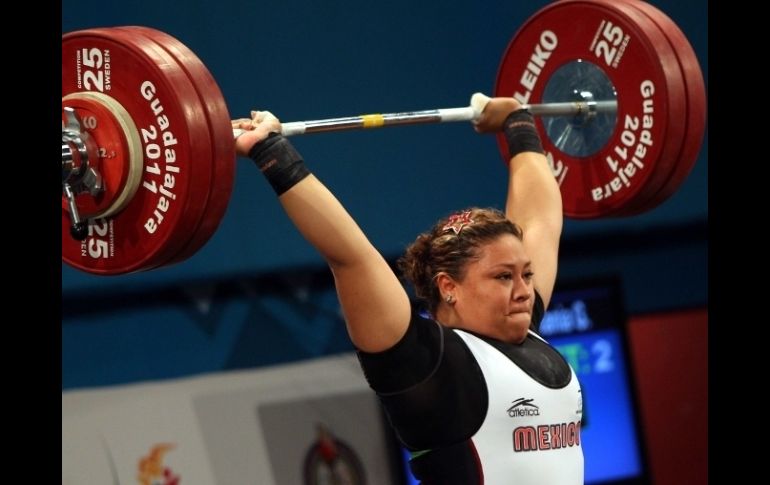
x=373, y=121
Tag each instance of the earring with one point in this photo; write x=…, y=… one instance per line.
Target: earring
x=449, y=298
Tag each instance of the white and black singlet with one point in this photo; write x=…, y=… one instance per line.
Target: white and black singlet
x=478, y=411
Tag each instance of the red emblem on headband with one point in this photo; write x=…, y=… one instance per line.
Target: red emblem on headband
x=456, y=222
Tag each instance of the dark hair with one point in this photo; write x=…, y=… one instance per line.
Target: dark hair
x=449, y=246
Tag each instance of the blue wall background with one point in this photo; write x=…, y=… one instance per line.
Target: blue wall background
x=257, y=293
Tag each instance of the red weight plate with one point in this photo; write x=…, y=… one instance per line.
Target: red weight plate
x=118, y=147
x=677, y=116
x=201, y=160
x=160, y=100
x=218, y=119
x=628, y=54
x=696, y=106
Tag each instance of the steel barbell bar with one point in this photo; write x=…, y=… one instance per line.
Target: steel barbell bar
x=583, y=109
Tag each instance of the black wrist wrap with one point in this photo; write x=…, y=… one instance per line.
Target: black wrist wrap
x=521, y=133
x=279, y=162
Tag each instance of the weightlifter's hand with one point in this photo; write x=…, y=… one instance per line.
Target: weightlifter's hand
x=255, y=129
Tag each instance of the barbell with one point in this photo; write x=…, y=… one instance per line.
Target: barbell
x=148, y=153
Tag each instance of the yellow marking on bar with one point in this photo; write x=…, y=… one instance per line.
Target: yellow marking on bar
x=373, y=121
